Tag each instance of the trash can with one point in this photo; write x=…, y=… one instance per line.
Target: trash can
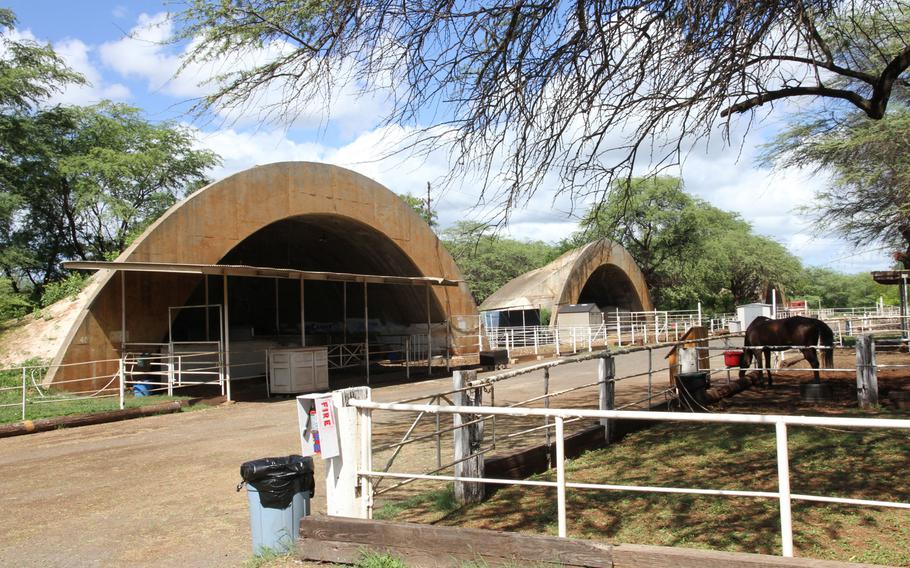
x=279, y=492
x=692, y=387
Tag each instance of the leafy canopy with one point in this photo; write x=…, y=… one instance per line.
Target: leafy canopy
x=688, y=251
x=527, y=94
x=82, y=182
x=29, y=72
x=76, y=182
x=867, y=197
x=487, y=261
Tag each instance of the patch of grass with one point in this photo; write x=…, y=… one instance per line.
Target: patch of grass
x=42, y=402
x=370, y=559
x=269, y=557
x=439, y=500
x=863, y=464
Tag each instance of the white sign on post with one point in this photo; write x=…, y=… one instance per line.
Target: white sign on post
x=316, y=417
x=327, y=427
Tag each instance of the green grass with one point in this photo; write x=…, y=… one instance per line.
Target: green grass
x=439, y=501
x=376, y=560
x=64, y=403
x=868, y=464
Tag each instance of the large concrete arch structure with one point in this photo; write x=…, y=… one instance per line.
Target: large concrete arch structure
x=602, y=272
x=295, y=215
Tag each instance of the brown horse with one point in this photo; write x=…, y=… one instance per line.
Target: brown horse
x=766, y=335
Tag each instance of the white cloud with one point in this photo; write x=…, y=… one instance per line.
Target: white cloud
x=77, y=55
x=147, y=53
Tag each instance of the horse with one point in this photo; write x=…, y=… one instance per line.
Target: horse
x=767, y=335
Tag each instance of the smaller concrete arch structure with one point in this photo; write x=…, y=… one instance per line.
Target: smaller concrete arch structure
x=601, y=273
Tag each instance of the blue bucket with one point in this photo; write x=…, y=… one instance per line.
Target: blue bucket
x=142, y=389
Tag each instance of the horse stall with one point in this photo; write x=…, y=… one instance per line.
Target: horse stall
x=234, y=317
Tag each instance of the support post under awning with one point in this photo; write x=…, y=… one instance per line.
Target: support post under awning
x=227, y=341
x=366, y=331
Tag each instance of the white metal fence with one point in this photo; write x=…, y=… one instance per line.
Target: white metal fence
x=562, y=484
x=642, y=328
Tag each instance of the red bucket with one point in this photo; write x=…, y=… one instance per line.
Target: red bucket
x=732, y=358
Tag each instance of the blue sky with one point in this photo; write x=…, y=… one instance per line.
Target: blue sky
x=117, y=45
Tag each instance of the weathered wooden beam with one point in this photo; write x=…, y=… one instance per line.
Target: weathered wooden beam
x=340, y=540
x=73, y=421
x=643, y=556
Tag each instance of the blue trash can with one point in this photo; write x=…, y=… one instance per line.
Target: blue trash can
x=278, y=492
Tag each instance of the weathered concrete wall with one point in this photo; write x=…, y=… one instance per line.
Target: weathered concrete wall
x=204, y=227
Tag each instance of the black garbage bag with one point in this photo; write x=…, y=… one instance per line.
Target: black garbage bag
x=278, y=479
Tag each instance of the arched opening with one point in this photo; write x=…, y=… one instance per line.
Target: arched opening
x=610, y=288
x=265, y=307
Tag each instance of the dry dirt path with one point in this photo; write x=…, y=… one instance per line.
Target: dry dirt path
x=159, y=491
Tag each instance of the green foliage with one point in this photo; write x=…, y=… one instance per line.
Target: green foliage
x=837, y=290
x=545, y=316
x=29, y=72
x=82, y=182
x=868, y=197
x=69, y=287
x=369, y=559
x=77, y=182
x=487, y=261
x=688, y=251
x=420, y=207
x=12, y=304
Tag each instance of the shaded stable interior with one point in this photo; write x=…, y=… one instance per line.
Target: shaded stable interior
x=173, y=312
x=610, y=288
x=333, y=312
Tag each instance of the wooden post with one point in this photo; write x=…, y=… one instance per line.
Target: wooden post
x=606, y=370
x=342, y=486
x=468, y=440
x=866, y=380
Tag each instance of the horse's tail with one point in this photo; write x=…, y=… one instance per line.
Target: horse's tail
x=827, y=339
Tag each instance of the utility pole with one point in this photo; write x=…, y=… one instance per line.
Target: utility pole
x=429, y=208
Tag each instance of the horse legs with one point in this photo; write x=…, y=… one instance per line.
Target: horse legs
x=745, y=362
x=768, y=365
x=811, y=355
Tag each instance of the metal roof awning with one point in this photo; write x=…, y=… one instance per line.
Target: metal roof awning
x=257, y=272
x=890, y=276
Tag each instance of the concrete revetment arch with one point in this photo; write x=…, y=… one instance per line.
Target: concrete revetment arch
x=598, y=272
x=342, y=216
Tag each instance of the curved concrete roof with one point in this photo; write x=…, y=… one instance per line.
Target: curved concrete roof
x=561, y=282
x=209, y=224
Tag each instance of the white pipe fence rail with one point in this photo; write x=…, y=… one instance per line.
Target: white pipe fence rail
x=659, y=327
x=560, y=416
x=662, y=393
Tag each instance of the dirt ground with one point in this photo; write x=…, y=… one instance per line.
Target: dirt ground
x=893, y=374
x=160, y=491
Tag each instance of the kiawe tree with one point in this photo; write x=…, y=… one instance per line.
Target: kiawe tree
x=77, y=182
x=688, y=250
x=566, y=92
x=867, y=195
